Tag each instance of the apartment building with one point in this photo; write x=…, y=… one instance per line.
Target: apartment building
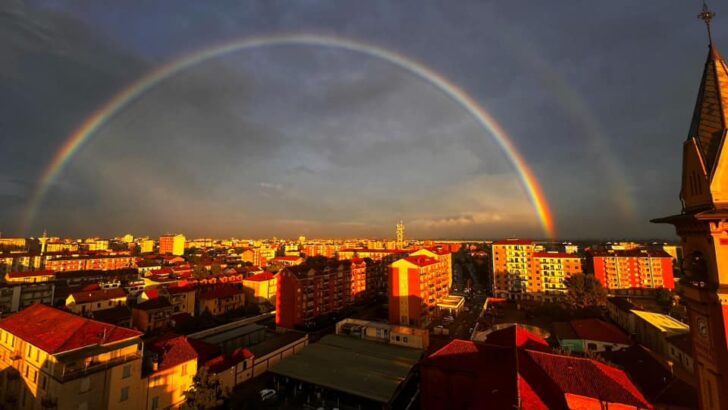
x=306, y=292
x=172, y=244
x=74, y=263
x=417, y=284
x=634, y=268
x=513, y=268
x=54, y=359
x=551, y=269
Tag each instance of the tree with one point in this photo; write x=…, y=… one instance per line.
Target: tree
x=206, y=392
x=585, y=291
x=664, y=298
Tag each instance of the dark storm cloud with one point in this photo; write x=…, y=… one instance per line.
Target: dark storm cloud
x=597, y=97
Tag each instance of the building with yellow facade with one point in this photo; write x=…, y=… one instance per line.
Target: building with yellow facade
x=261, y=287
x=173, y=365
x=172, y=244
x=54, y=359
x=551, y=269
x=93, y=300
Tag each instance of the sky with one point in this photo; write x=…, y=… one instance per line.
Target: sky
x=292, y=140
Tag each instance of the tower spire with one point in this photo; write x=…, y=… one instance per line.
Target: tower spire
x=707, y=16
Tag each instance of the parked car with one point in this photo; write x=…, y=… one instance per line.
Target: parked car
x=267, y=394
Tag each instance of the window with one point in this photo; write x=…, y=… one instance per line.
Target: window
x=27, y=370
x=155, y=403
x=43, y=382
x=35, y=376
x=124, y=394
x=126, y=372
x=30, y=351
x=184, y=370
x=404, y=339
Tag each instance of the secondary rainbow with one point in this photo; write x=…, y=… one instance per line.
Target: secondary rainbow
x=119, y=101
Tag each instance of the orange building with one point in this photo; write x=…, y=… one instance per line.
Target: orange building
x=416, y=285
x=110, y=262
x=172, y=244
x=513, y=268
x=634, y=269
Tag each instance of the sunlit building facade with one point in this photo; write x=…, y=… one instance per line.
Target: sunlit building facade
x=416, y=285
x=636, y=268
x=172, y=244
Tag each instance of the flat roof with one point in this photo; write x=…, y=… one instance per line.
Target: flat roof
x=275, y=342
x=358, y=367
x=666, y=324
x=232, y=334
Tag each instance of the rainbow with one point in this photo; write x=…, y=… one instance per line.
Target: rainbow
x=135, y=90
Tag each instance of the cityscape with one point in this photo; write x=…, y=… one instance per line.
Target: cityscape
x=324, y=226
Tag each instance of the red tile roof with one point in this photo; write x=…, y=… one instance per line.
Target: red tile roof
x=56, y=331
x=152, y=293
x=14, y=275
x=171, y=350
x=421, y=260
x=98, y=295
x=220, y=292
x=226, y=361
x=475, y=375
x=599, y=330
x=287, y=258
x=261, y=277
x=517, y=336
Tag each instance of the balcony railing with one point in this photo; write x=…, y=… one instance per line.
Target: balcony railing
x=64, y=373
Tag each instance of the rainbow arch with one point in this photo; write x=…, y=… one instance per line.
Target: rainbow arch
x=135, y=90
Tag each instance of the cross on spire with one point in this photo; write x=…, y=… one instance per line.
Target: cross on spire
x=707, y=15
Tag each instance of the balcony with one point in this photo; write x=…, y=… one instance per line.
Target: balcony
x=78, y=368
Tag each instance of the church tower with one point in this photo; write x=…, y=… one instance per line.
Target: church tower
x=703, y=228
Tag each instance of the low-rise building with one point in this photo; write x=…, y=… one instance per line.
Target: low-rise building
x=590, y=335
x=653, y=330
x=261, y=287
x=383, y=332
x=182, y=299
x=89, y=301
x=353, y=371
x=55, y=359
x=30, y=276
x=516, y=369
x=171, y=368
x=221, y=299
x=154, y=314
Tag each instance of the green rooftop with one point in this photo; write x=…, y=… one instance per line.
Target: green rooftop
x=371, y=370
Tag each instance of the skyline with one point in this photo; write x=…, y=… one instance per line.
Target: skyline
x=364, y=143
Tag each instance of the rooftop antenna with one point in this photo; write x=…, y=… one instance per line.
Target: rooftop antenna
x=707, y=15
